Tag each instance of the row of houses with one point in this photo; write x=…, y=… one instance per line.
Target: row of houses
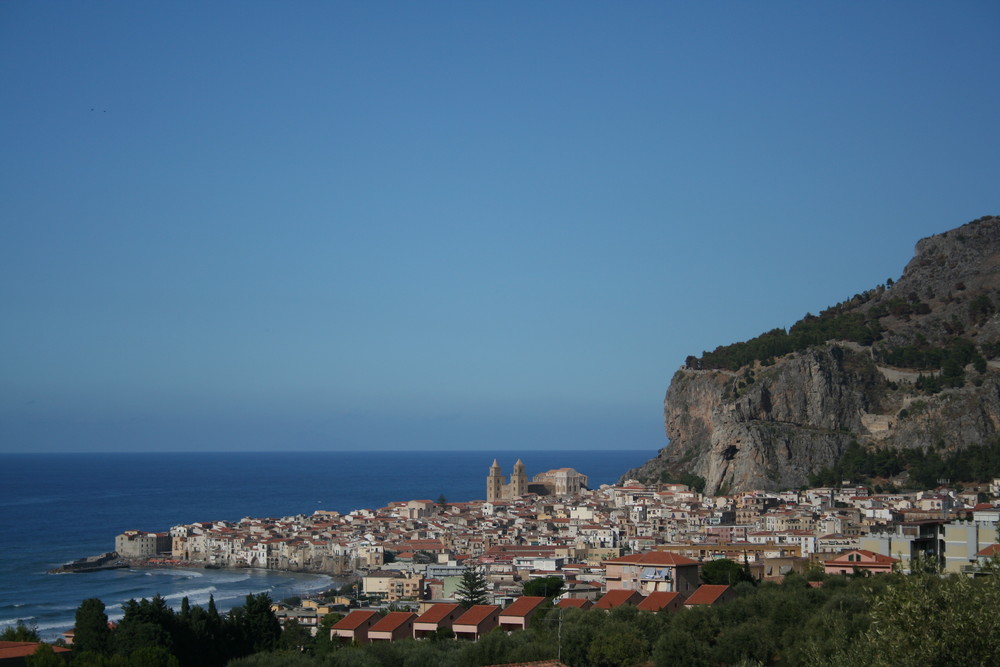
x=366, y=626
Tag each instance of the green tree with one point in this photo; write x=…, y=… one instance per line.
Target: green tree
x=548, y=587
x=145, y=624
x=44, y=656
x=91, y=633
x=253, y=627
x=294, y=636
x=926, y=620
x=152, y=656
x=19, y=633
x=724, y=571
x=473, y=588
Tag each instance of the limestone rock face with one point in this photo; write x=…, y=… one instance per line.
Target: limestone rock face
x=768, y=425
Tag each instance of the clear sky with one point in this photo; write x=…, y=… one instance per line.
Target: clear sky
x=433, y=225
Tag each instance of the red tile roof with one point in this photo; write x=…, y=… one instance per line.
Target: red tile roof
x=437, y=612
x=577, y=603
x=870, y=557
x=707, y=594
x=617, y=598
x=10, y=650
x=523, y=606
x=354, y=620
x=659, y=600
x=991, y=550
x=392, y=621
x=476, y=614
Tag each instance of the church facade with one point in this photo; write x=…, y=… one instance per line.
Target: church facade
x=558, y=482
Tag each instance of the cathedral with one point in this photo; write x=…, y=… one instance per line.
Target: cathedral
x=558, y=482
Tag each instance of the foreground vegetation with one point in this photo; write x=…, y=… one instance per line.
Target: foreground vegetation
x=884, y=620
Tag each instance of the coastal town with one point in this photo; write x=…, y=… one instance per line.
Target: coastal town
x=617, y=544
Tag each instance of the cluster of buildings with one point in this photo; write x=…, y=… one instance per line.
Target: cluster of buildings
x=623, y=539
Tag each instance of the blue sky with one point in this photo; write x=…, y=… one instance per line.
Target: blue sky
x=434, y=225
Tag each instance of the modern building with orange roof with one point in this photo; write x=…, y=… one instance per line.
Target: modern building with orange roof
x=860, y=560
x=354, y=626
x=575, y=603
x=710, y=594
x=436, y=617
x=477, y=621
x=652, y=571
x=617, y=598
x=662, y=601
x=393, y=626
x=520, y=612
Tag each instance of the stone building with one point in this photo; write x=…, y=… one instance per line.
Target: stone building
x=497, y=487
x=558, y=482
x=140, y=544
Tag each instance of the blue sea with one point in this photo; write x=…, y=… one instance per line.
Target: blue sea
x=55, y=508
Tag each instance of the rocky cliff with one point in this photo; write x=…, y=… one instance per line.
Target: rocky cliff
x=909, y=364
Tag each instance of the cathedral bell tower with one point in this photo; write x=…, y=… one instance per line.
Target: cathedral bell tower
x=494, y=483
x=518, y=480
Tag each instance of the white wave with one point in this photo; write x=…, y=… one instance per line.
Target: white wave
x=53, y=626
x=191, y=593
x=13, y=621
x=177, y=574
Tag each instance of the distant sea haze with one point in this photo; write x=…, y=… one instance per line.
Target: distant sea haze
x=58, y=507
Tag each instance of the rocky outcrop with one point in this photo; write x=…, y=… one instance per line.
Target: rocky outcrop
x=770, y=423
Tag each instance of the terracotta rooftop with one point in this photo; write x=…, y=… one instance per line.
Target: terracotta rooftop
x=354, y=620
x=476, y=614
x=658, y=600
x=437, y=612
x=9, y=650
x=617, y=598
x=573, y=603
x=392, y=620
x=707, y=594
x=523, y=606
x=871, y=557
x=991, y=550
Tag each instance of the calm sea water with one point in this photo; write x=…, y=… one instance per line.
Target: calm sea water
x=58, y=507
